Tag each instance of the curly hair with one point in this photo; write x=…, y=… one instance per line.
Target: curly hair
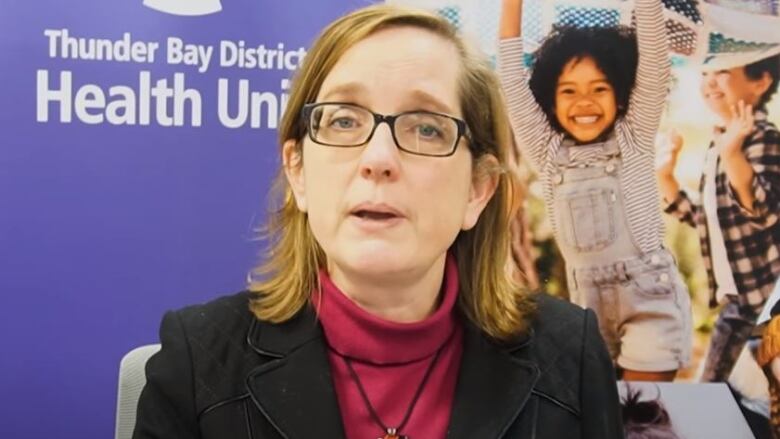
x=645, y=419
x=613, y=49
x=757, y=69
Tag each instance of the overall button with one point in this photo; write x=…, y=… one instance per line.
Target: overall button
x=557, y=178
x=655, y=259
x=664, y=277
x=610, y=168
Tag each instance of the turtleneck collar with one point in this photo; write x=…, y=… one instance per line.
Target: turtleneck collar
x=353, y=332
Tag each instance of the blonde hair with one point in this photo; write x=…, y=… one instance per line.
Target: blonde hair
x=489, y=296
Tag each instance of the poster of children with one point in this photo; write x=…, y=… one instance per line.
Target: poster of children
x=652, y=168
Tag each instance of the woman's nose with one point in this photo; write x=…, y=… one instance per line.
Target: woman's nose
x=380, y=158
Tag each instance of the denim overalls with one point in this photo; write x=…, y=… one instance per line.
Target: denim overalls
x=641, y=302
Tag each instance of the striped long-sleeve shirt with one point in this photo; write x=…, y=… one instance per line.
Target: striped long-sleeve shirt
x=635, y=132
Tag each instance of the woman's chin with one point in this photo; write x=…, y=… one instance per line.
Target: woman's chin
x=377, y=263
x=376, y=259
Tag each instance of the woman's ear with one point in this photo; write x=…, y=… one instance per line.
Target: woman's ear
x=292, y=161
x=484, y=183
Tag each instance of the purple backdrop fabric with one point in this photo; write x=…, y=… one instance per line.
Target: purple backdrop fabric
x=107, y=221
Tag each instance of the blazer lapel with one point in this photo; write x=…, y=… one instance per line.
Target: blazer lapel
x=294, y=390
x=493, y=387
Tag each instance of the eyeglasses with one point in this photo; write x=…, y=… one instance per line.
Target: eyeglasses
x=416, y=132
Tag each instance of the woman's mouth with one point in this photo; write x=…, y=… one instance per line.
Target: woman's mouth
x=374, y=215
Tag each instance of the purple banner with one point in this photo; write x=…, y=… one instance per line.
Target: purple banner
x=138, y=144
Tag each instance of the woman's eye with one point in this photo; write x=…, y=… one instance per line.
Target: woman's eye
x=428, y=131
x=567, y=91
x=343, y=123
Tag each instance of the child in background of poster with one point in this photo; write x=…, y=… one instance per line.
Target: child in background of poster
x=738, y=219
x=587, y=120
x=768, y=357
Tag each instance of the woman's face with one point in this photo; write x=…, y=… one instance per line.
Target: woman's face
x=374, y=209
x=584, y=100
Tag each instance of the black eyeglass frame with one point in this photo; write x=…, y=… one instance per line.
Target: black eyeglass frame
x=308, y=109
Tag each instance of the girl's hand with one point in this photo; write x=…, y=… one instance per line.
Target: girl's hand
x=737, y=129
x=667, y=154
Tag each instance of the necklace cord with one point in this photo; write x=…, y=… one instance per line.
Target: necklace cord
x=417, y=393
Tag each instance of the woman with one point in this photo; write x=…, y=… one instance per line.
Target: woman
x=386, y=309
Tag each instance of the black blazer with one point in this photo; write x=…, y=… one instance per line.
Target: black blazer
x=223, y=374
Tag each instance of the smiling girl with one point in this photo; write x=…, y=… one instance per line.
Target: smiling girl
x=586, y=117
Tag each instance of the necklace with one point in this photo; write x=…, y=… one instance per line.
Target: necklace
x=394, y=432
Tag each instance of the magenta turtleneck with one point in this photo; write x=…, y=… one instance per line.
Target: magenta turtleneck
x=390, y=360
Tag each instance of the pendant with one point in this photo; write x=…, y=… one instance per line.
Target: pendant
x=392, y=433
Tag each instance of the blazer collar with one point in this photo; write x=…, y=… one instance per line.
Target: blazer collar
x=294, y=389
x=278, y=340
x=493, y=387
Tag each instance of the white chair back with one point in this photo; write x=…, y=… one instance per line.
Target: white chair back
x=132, y=379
